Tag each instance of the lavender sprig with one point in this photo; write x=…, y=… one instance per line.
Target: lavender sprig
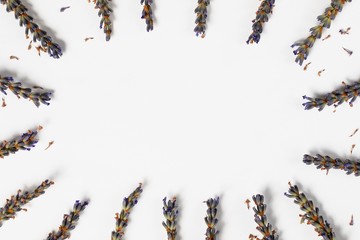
x=170, y=211
x=327, y=163
x=123, y=218
x=211, y=220
x=25, y=142
x=325, y=19
x=262, y=16
x=147, y=14
x=69, y=222
x=263, y=227
x=201, y=16
x=16, y=202
x=104, y=12
x=32, y=94
x=20, y=11
x=322, y=227
x=336, y=98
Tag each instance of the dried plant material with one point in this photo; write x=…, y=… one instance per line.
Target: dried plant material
x=88, y=38
x=348, y=51
x=352, y=148
x=345, y=32
x=3, y=103
x=311, y=216
x=147, y=14
x=247, y=202
x=306, y=66
x=64, y=8
x=170, y=211
x=30, y=45
x=262, y=16
x=34, y=95
x=355, y=131
x=303, y=46
x=26, y=141
x=351, y=223
x=211, y=218
x=320, y=72
x=104, y=12
x=16, y=202
x=201, y=16
x=14, y=57
x=122, y=218
x=50, y=144
x=327, y=37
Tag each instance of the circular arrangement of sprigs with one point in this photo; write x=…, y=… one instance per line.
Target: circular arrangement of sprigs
x=38, y=96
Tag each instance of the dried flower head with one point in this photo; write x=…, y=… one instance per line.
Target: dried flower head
x=69, y=222
x=104, y=12
x=311, y=216
x=16, y=202
x=303, y=46
x=211, y=220
x=123, y=218
x=147, y=14
x=201, y=16
x=262, y=16
x=33, y=94
x=263, y=227
x=170, y=211
x=336, y=98
x=25, y=142
x=327, y=163
x=20, y=11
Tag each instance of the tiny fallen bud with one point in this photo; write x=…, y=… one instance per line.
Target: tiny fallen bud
x=351, y=223
x=344, y=32
x=14, y=57
x=64, y=8
x=352, y=148
x=88, y=38
x=320, y=72
x=3, y=102
x=348, y=51
x=247, y=202
x=327, y=37
x=50, y=143
x=306, y=66
x=356, y=130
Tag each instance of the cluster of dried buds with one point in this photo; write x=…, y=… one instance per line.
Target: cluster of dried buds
x=211, y=220
x=16, y=202
x=170, y=211
x=262, y=16
x=201, y=16
x=123, y=218
x=303, y=46
x=69, y=222
x=20, y=11
x=327, y=163
x=311, y=216
x=33, y=94
x=337, y=97
x=104, y=12
x=147, y=14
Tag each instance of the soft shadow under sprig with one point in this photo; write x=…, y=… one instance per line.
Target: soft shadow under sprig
x=20, y=11
x=262, y=16
x=336, y=98
x=263, y=227
x=327, y=163
x=311, y=216
x=303, y=46
x=123, y=218
x=69, y=222
x=104, y=12
x=16, y=202
x=211, y=220
x=201, y=16
x=25, y=142
x=170, y=211
x=33, y=94
x=147, y=14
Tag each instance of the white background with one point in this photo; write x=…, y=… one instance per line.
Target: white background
x=190, y=117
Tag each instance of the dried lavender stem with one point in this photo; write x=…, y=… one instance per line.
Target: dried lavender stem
x=32, y=94
x=69, y=222
x=322, y=227
x=303, y=46
x=20, y=11
x=327, y=163
x=170, y=211
x=16, y=202
x=262, y=16
x=337, y=97
x=123, y=218
x=25, y=142
x=201, y=16
x=104, y=12
x=147, y=14
x=263, y=227
x=211, y=220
